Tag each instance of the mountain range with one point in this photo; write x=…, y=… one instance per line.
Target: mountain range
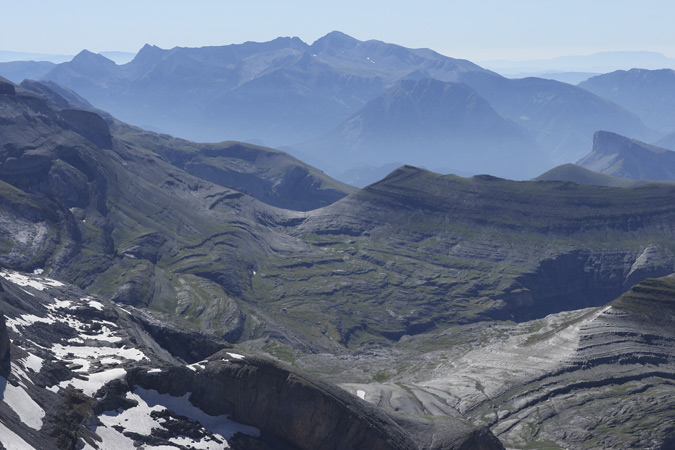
x=140, y=270
x=648, y=93
x=294, y=95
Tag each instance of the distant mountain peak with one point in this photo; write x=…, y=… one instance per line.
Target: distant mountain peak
x=86, y=61
x=334, y=41
x=623, y=157
x=86, y=55
x=148, y=54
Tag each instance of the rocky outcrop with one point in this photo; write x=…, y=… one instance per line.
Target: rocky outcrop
x=303, y=411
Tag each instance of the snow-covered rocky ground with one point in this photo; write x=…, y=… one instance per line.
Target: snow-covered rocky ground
x=78, y=372
x=65, y=341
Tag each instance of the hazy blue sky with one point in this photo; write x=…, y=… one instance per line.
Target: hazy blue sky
x=476, y=29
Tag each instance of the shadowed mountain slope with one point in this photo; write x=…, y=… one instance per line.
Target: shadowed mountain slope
x=85, y=203
x=269, y=175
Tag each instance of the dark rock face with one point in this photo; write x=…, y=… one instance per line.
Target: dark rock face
x=182, y=344
x=90, y=125
x=303, y=411
x=579, y=279
x=7, y=88
x=5, y=356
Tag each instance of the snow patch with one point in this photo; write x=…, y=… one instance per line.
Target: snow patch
x=12, y=441
x=138, y=419
x=23, y=405
x=112, y=440
x=95, y=381
x=32, y=362
x=27, y=320
x=361, y=394
x=60, y=304
x=84, y=355
x=195, y=366
x=236, y=355
x=96, y=305
x=26, y=281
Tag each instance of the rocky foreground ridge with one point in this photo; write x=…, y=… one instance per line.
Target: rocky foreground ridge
x=86, y=373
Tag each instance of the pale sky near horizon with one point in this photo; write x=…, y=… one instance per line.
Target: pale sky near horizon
x=477, y=30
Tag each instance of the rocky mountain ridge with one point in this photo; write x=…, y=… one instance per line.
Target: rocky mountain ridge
x=287, y=92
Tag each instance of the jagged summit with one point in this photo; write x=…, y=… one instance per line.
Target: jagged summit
x=148, y=54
